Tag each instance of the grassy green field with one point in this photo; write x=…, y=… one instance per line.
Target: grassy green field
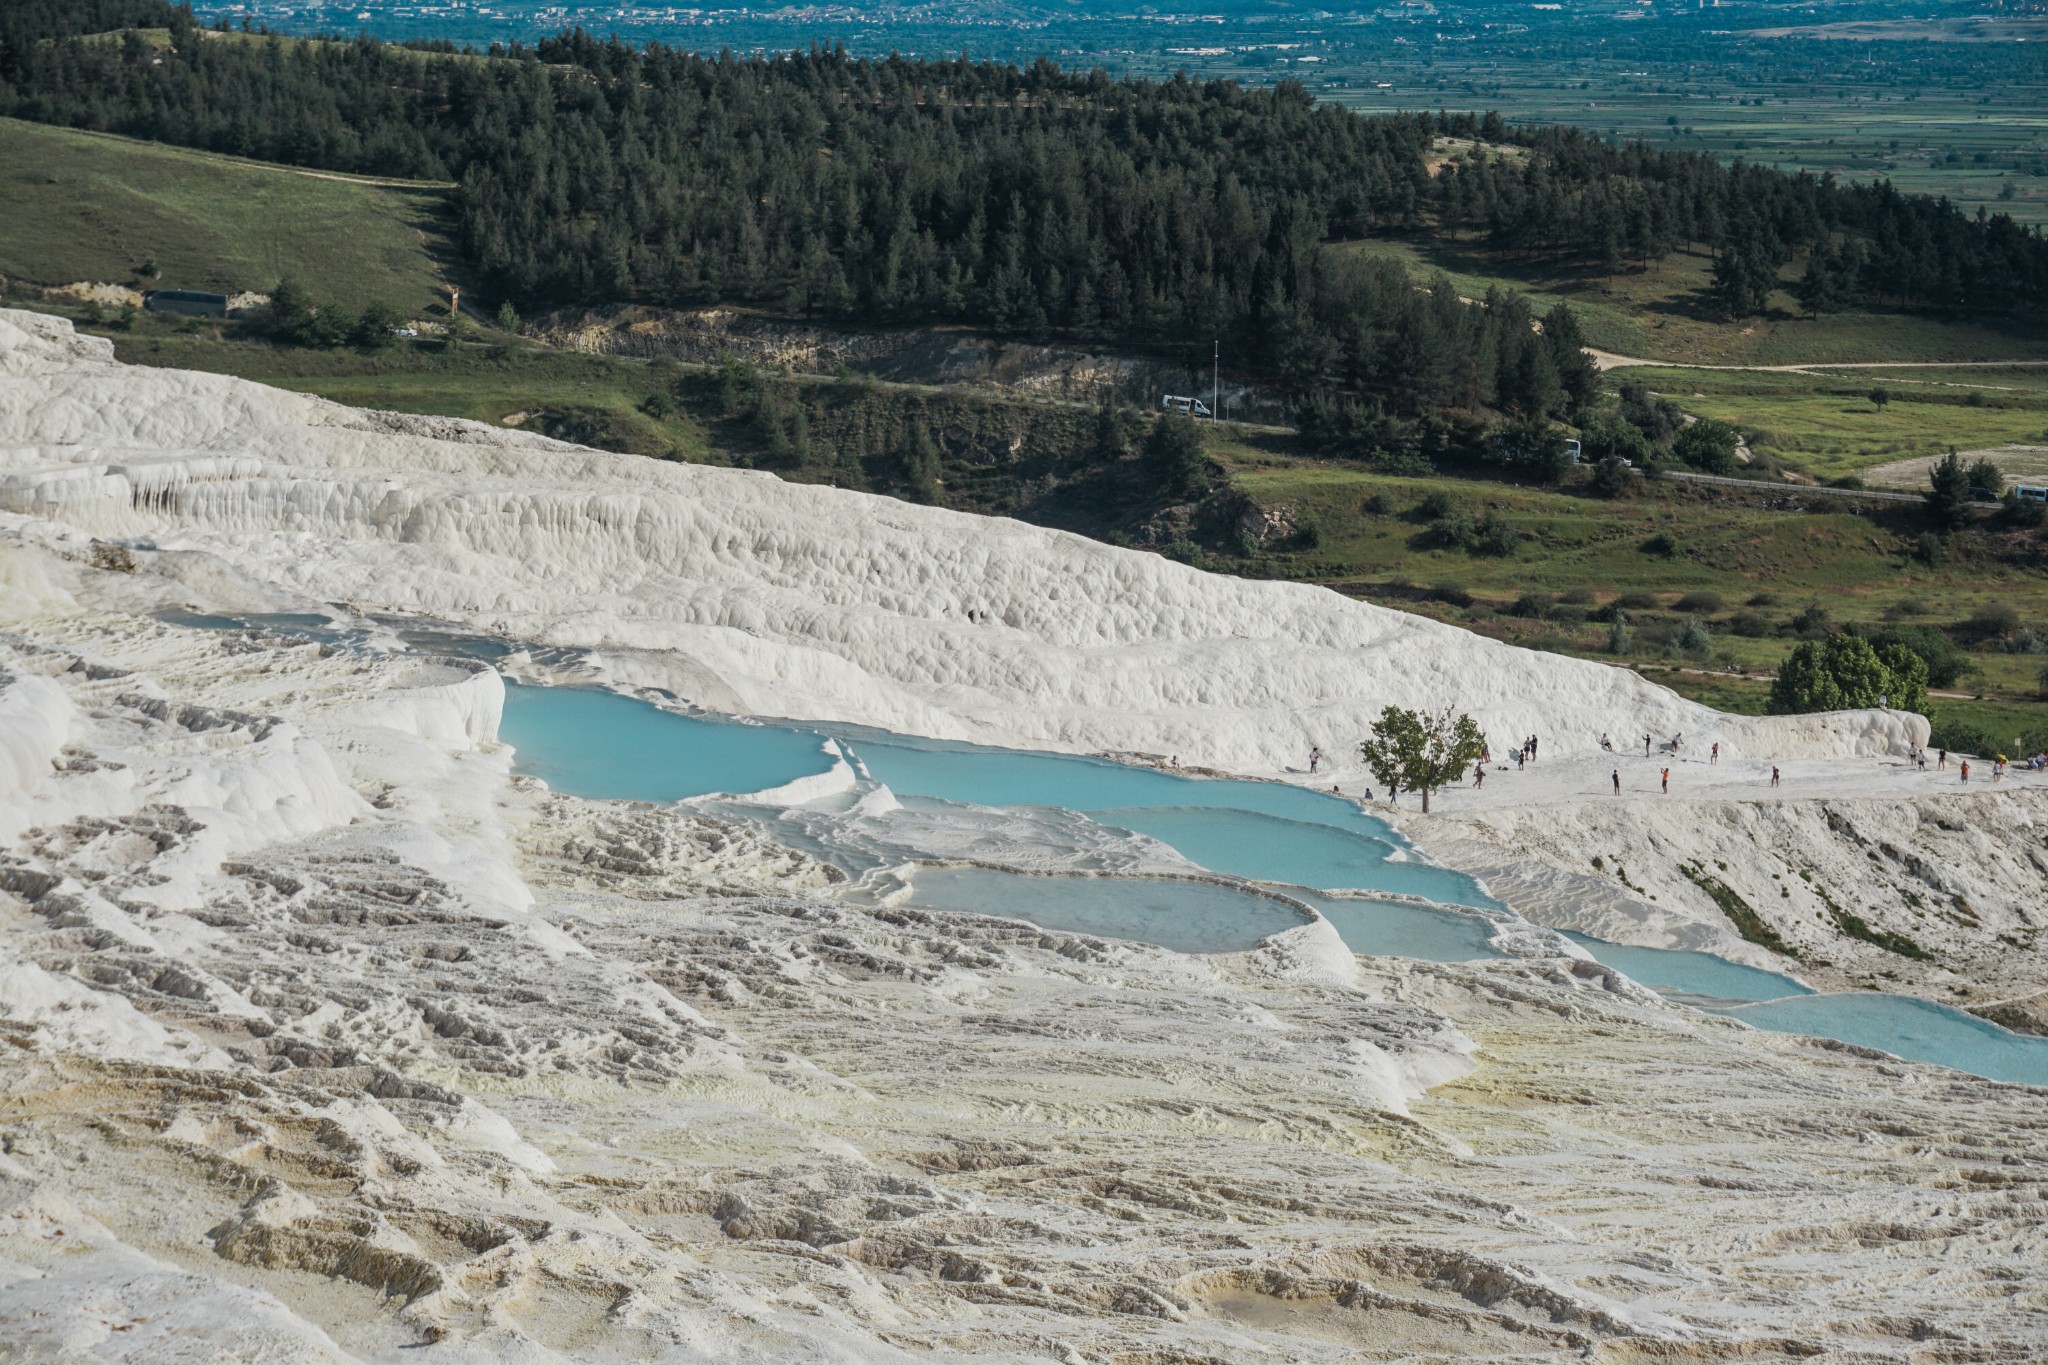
x=1825, y=423
x=1655, y=313
x=1744, y=567
x=87, y=207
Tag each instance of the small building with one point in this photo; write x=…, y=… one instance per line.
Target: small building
x=191, y=302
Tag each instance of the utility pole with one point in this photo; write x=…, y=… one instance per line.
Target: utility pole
x=1215, y=381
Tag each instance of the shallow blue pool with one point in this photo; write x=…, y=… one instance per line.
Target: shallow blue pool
x=1188, y=917
x=598, y=744
x=1697, y=978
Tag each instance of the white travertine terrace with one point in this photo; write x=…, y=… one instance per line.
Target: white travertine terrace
x=324, y=1038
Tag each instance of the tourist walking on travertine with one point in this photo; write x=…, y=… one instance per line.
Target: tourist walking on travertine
x=1478, y=776
x=1938, y=767
x=1315, y=759
x=1774, y=774
x=1667, y=781
x=1714, y=754
x=1966, y=770
x=1646, y=746
x=1617, y=781
x=1605, y=742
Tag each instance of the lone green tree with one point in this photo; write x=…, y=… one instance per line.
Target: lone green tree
x=1948, y=493
x=1420, y=750
x=1173, y=456
x=1843, y=672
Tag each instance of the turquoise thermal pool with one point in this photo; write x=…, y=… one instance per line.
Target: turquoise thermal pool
x=599, y=744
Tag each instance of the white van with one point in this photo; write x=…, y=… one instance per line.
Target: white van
x=1194, y=407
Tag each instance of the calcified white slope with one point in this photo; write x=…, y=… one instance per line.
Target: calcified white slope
x=322, y=1038
x=778, y=598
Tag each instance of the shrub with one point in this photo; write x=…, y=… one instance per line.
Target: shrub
x=1435, y=506
x=1618, y=637
x=1174, y=457
x=2023, y=512
x=1612, y=438
x=1992, y=621
x=1454, y=530
x=1577, y=597
x=1611, y=478
x=1530, y=605
x=1931, y=550
x=1376, y=505
x=1308, y=533
x=1762, y=599
x=1700, y=603
x=1812, y=623
x=1853, y=482
x=1959, y=737
x=1708, y=445
x=1695, y=640
x=2024, y=641
x=1663, y=545
x=1567, y=616
x=1492, y=536
x=1945, y=663
x=1637, y=601
x=1985, y=478
x=1749, y=624
x=1452, y=592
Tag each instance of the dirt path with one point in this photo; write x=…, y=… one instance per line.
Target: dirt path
x=1608, y=360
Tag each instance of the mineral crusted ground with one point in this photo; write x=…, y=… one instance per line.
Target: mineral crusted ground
x=324, y=1037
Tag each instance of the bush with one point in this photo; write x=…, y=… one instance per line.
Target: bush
x=1618, y=637
x=1577, y=597
x=1992, y=621
x=1657, y=418
x=1762, y=599
x=1985, y=478
x=1530, y=605
x=1843, y=672
x=1637, y=601
x=1376, y=505
x=1931, y=550
x=1708, y=445
x=1452, y=592
x=1749, y=625
x=1852, y=482
x=1493, y=536
x=1959, y=737
x=1700, y=603
x=1454, y=530
x=1435, y=506
x=2024, y=641
x=1812, y=623
x=1695, y=640
x=1174, y=457
x=1612, y=438
x=2023, y=512
x=1612, y=478
x=1663, y=545
x=1946, y=664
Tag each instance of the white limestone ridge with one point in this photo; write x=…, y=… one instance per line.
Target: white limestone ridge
x=783, y=599
x=324, y=1038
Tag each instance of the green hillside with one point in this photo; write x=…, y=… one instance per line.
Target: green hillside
x=86, y=206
